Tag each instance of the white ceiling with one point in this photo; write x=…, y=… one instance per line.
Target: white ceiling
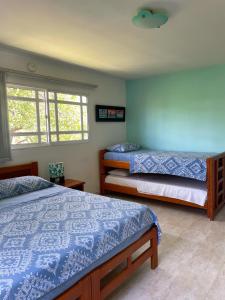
x=99, y=34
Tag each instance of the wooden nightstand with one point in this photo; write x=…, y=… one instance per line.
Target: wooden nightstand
x=74, y=184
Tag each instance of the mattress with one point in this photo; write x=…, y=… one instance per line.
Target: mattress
x=193, y=191
x=52, y=238
x=122, y=156
x=184, y=164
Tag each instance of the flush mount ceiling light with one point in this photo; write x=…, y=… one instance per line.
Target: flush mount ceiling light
x=148, y=19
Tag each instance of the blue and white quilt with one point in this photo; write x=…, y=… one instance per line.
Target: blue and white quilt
x=184, y=164
x=48, y=243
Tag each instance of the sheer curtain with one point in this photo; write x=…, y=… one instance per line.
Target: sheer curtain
x=5, y=152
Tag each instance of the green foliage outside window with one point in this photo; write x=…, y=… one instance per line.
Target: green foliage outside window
x=28, y=113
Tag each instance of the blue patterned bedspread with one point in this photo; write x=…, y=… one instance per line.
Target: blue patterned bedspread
x=184, y=164
x=48, y=244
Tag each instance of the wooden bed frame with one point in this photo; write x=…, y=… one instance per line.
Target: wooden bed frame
x=215, y=184
x=93, y=286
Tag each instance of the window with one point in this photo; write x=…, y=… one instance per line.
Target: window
x=40, y=116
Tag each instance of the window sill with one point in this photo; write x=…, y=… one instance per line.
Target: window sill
x=31, y=146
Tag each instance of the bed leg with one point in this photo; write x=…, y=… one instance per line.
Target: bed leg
x=154, y=246
x=210, y=216
x=154, y=261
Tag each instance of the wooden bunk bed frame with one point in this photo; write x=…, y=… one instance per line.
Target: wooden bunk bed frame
x=92, y=286
x=215, y=184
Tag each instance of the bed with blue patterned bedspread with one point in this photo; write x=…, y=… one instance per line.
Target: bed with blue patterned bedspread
x=184, y=164
x=52, y=238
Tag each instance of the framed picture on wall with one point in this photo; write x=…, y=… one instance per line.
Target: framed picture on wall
x=105, y=113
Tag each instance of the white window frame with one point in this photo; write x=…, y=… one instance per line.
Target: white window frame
x=47, y=101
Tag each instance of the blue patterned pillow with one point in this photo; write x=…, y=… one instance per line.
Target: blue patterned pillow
x=125, y=147
x=21, y=185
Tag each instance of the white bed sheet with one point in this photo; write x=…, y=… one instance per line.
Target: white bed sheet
x=168, y=186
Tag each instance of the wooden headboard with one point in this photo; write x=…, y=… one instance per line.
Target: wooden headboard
x=19, y=170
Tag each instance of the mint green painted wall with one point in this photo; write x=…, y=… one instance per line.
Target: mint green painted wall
x=179, y=111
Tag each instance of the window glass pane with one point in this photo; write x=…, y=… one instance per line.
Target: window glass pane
x=44, y=139
x=52, y=116
x=22, y=116
x=67, y=97
x=85, y=118
x=84, y=99
x=51, y=96
x=69, y=117
x=53, y=137
x=41, y=95
x=42, y=113
x=20, y=92
x=85, y=136
x=18, y=140
x=70, y=137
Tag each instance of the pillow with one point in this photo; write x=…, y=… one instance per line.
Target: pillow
x=125, y=147
x=119, y=172
x=21, y=185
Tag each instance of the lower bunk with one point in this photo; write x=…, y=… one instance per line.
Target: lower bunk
x=208, y=196
x=166, y=187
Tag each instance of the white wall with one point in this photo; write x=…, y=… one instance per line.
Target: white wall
x=81, y=160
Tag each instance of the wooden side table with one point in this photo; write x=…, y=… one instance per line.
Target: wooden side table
x=74, y=184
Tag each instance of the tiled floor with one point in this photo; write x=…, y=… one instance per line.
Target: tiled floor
x=191, y=258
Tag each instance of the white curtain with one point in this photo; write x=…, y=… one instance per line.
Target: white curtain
x=5, y=152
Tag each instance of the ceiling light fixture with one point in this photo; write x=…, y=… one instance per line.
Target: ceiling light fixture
x=148, y=19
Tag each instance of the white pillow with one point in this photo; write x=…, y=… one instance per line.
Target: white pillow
x=119, y=172
x=124, y=147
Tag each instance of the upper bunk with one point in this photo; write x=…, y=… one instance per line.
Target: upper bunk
x=191, y=165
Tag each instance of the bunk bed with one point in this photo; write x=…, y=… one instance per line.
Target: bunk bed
x=214, y=183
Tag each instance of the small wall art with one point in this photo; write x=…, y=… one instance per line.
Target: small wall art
x=105, y=113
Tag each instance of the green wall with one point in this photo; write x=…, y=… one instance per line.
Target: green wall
x=179, y=111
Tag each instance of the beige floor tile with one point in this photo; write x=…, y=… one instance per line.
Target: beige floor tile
x=217, y=290
x=191, y=258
